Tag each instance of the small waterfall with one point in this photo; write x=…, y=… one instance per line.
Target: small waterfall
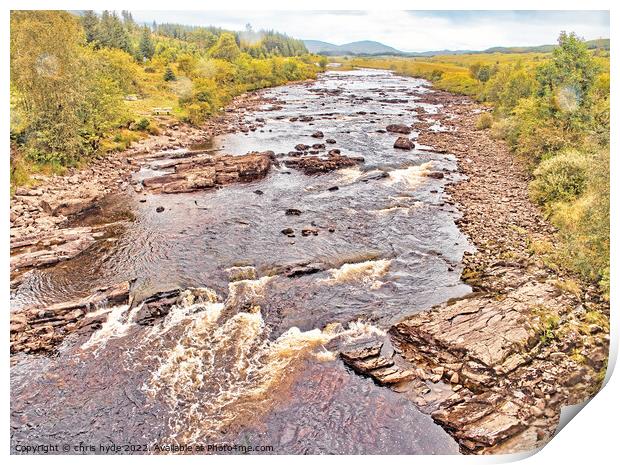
x=223, y=368
x=410, y=176
x=367, y=273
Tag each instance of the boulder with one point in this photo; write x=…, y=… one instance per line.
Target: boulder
x=316, y=165
x=398, y=128
x=435, y=175
x=404, y=143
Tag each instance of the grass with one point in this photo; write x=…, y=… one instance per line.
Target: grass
x=549, y=322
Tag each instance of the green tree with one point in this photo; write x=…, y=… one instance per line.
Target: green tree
x=571, y=67
x=169, y=75
x=226, y=47
x=146, y=48
x=90, y=22
x=67, y=95
x=323, y=63
x=45, y=61
x=111, y=32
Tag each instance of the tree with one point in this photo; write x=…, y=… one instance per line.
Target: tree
x=169, y=75
x=226, y=47
x=127, y=18
x=67, y=95
x=45, y=62
x=571, y=67
x=323, y=62
x=146, y=48
x=90, y=22
x=111, y=32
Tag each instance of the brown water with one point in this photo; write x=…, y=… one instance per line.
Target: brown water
x=254, y=362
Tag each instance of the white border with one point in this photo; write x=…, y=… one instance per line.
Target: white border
x=590, y=438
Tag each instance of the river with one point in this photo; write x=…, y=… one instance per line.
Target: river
x=251, y=358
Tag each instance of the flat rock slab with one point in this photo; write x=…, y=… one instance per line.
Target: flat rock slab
x=41, y=328
x=210, y=171
x=56, y=206
x=47, y=249
x=486, y=335
x=316, y=165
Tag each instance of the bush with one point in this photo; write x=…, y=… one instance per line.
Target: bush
x=584, y=223
x=141, y=125
x=532, y=132
x=436, y=75
x=560, y=178
x=507, y=86
x=485, y=121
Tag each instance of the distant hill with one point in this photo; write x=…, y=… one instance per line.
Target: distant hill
x=363, y=47
x=592, y=44
x=369, y=47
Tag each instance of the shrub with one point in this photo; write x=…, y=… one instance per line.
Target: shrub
x=507, y=86
x=484, y=121
x=436, y=75
x=141, y=125
x=532, y=132
x=584, y=223
x=560, y=178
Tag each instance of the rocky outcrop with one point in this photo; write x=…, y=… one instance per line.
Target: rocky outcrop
x=52, y=247
x=316, y=165
x=41, y=328
x=71, y=206
x=48, y=205
x=507, y=375
x=211, y=171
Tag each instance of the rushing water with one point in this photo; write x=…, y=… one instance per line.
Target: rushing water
x=253, y=361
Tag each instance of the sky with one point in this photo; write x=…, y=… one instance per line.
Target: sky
x=411, y=31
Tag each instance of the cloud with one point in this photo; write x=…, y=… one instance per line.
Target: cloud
x=405, y=30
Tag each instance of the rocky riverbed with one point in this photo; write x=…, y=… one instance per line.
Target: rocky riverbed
x=231, y=283
x=494, y=368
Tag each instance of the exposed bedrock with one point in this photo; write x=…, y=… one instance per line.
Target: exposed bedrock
x=205, y=172
x=317, y=165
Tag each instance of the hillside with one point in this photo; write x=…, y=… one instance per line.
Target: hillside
x=363, y=47
x=133, y=69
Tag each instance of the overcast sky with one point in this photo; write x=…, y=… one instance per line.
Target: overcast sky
x=405, y=30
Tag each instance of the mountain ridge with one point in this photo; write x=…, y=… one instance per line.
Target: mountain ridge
x=371, y=47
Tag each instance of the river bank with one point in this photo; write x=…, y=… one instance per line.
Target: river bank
x=367, y=244
x=41, y=216
x=529, y=339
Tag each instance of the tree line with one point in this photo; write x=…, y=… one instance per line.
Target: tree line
x=72, y=76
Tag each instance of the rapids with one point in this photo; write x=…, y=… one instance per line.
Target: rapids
x=250, y=355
